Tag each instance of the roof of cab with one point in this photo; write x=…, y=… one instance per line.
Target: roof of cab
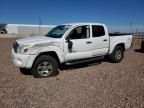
x=84, y=23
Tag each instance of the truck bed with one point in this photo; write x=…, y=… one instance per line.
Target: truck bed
x=119, y=34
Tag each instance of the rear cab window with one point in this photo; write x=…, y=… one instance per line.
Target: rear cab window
x=98, y=31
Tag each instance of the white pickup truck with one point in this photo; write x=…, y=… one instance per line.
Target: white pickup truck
x=68, y=44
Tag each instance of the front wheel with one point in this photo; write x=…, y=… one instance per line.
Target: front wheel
x=45, y=66
x=117, y=54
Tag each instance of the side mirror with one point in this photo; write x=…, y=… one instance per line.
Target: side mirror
x=67, y=39
x=70, y=44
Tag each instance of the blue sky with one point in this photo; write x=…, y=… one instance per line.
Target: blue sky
x=114, y=13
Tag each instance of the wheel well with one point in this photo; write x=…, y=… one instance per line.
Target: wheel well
x=121, y=45
x=51, y=53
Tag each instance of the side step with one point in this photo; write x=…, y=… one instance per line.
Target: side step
x=84, y=60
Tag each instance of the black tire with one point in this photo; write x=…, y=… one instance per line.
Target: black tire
x=45, y=66
x=117, y=55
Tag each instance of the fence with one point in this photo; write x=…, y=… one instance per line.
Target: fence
x=137, y=38
x=139, y=35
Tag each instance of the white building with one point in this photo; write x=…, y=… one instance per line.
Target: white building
x=28, y=30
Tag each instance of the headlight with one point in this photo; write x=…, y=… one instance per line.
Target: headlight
x=23, y=49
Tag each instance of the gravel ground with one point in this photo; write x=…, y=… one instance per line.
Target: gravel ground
x=95, y=85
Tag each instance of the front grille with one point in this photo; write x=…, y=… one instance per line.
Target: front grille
x=15, y=46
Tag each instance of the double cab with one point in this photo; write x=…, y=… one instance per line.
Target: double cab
x=68, y=44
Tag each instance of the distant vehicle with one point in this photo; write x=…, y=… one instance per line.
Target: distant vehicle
x=3, y=28
x=68, y=44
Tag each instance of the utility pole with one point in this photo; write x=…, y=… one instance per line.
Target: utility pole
x=131, y=27
x=40, y=22
x=136, y=30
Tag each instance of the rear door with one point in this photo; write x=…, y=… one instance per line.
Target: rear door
x=100, y=40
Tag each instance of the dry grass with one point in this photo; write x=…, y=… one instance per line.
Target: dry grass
x=93, y=85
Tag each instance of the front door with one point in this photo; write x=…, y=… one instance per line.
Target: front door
x=78, y=44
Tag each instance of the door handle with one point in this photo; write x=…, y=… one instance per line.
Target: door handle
x=105, y=40
x=89, y=42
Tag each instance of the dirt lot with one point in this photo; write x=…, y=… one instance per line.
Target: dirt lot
x=95, y=85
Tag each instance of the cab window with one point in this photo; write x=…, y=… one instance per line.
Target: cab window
x=98, y=31
x=81, y=32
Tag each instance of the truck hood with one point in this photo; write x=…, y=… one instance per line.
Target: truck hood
x=35, y=40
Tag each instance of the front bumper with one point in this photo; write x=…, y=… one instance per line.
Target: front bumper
x=23, y=60
x=19, y=60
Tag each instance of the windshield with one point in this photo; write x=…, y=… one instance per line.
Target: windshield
x=58, y=32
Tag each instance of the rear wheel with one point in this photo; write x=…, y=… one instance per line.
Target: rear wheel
x=2, y=32
x=117, y=54
x=45, y=66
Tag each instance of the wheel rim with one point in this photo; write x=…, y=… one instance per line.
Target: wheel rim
x=44, y=68
x=118, y=54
